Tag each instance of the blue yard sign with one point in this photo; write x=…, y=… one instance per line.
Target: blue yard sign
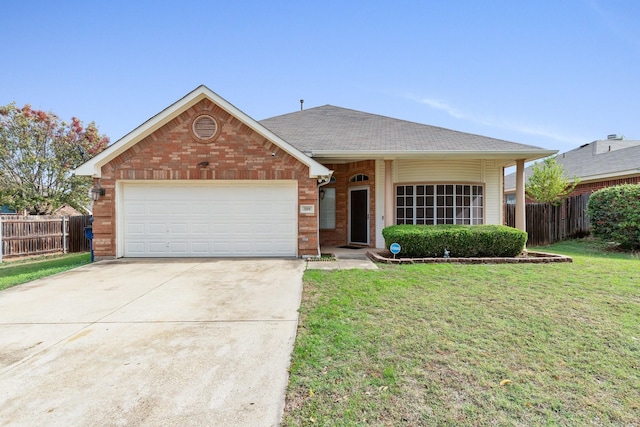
x=395, y=249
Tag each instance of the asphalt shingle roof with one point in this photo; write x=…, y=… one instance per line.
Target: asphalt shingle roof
x=330, y=128
x=593, y=159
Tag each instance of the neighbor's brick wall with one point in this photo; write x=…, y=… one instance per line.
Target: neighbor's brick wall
x=342, y=172
x=591, y=187
x=172, y=153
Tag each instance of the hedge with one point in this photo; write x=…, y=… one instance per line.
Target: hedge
x=614, y=213
x=464, y=241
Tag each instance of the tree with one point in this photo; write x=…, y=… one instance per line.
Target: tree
x=614, y=213
x=37, y=155
x=548, y=183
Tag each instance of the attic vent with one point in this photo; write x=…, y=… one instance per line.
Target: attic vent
x=204, y=127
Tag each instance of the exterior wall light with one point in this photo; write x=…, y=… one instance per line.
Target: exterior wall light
x=322, y=192
x=96, y=192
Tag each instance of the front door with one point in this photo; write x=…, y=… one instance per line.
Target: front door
x=359, y=215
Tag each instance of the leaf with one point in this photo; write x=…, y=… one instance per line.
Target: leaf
x=505, y=382
x=311, y=393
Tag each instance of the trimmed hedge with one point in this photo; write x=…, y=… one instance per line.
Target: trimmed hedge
x=614, y=213
x=464, y=241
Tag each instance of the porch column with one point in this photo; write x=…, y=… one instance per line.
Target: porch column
x=388, y=193
x=521, y=223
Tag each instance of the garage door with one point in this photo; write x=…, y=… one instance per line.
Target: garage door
x=222, y=219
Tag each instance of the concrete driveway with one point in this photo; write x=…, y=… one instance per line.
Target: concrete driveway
x=150, y=342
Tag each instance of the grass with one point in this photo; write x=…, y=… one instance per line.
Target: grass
x=17, y=272
x=445, y=344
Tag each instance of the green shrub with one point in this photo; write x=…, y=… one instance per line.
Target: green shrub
x=614, y=213
x=466, y=241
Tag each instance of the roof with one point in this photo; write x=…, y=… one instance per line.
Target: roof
x=598, y=160
x=330, y=131
x=93, y=166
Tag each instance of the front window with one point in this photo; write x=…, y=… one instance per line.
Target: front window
x=327, y=208
x=430, y=204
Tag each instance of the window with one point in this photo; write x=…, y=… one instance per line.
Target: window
x=439, y=204
x=327, y=208
x=359, y=178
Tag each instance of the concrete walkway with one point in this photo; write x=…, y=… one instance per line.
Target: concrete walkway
x=345, y=259
x=150, y=342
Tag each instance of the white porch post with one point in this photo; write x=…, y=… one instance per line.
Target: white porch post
x=388, y=193
x=521, y=223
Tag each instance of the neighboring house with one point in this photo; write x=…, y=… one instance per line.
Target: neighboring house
x=67, y=210
x=599, y=164
x=201, y=178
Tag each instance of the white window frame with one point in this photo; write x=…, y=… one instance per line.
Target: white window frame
x=439, y=203
x=327, y=218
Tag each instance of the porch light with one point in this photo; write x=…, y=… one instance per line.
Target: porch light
x=322, y=193
x=96, y=192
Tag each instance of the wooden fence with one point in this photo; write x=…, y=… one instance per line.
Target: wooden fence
x=547, y=224
x=39, y=234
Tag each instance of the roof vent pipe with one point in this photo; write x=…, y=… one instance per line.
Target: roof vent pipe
x=301, y=102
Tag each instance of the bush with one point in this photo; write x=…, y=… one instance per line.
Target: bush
x=614, y=213
x=430, y=241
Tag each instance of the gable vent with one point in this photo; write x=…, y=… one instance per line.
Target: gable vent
x=205, y=127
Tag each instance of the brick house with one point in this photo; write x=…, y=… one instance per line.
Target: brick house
x=201, y=178
x=599, y=164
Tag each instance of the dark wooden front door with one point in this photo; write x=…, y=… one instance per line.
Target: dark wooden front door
x=359, y=216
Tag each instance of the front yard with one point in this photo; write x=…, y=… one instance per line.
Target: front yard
x=532, y=344
x=17, y=272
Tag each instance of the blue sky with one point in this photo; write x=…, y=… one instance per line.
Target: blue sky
x=555, y=74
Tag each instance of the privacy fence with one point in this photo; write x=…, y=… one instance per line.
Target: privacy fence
x=547, y=224
x=39, y=234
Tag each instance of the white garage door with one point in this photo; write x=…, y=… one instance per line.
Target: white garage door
x=221, y=219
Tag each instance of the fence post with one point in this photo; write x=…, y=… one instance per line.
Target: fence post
x=64, y=234
x=1, y=245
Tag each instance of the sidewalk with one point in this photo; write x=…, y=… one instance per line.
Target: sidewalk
x=345, y=259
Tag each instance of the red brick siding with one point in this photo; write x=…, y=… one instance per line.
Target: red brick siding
x=591, y=187
x=343, y=172
x=173, y=153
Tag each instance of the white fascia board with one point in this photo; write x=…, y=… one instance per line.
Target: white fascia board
x=94, y=165
x=510, y=156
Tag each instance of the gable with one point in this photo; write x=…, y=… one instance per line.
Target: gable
x=93, y=167
x=222, y=148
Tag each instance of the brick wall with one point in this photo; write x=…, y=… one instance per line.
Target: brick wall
x=343, y=172
x=591, y=187
x=173, y=153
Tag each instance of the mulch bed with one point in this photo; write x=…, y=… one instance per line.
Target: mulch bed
x=386, y=257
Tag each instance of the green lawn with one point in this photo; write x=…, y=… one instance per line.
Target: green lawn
x=16, y=272
x=511, y=344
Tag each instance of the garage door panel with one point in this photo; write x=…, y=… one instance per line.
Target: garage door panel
x=135, y=228
x=156, y=248
x=156, y=229
x=225, y=219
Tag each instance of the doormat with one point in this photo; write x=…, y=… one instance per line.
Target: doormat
x=351, y=247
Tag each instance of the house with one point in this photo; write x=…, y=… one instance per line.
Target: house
x=67, y=210
x=202, y=178
x=599, y=164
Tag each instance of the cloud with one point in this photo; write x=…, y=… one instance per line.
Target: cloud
x=501, y=123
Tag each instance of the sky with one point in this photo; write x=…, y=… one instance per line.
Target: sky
x=549, y=73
